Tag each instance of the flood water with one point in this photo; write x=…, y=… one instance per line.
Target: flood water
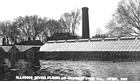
x=95, y=69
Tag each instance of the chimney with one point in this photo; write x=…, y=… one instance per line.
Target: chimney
x=85, y=23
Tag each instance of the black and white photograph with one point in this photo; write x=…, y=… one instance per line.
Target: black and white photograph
x=69, y=40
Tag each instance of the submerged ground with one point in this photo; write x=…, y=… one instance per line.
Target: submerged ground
x=95, y=69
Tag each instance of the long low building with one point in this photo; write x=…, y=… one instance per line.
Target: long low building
x=124, y=48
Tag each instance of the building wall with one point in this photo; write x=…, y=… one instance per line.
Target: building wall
x=95, y=56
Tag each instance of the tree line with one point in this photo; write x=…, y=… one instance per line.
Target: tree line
x=36, y=28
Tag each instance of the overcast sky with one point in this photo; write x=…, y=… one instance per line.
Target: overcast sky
x=100, y=11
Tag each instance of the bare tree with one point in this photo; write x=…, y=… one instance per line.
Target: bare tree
x=75, y=16
x=66, y=21
x=14, y=33
x=30, y=26
x=23, y=27
x=5, y=31
x=64, y=25
x=38, y=25
x=53, y=26
x=71, y=20
x=126, y=21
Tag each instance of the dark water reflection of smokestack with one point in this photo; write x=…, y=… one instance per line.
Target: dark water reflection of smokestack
x=85, y=23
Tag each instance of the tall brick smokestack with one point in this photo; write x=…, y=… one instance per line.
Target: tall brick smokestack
x=85, y=23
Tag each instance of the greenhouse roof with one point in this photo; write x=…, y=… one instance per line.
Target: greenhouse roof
x=96, y=44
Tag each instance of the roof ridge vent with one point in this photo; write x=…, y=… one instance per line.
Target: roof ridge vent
x=96, y=39
x=60, y=41
x=51, y=41
x=83, y=40
x=71, y=40
x=127, y=38
x=111, y=39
